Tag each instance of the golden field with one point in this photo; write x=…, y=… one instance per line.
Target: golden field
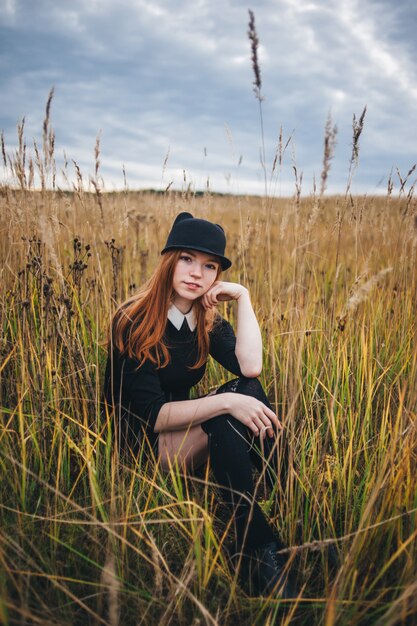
x=87, y=539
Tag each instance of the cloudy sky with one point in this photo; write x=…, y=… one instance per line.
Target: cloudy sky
x=166, y=81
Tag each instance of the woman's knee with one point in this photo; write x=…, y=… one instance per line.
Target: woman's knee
x=251, y=387
x=247, y=386
x=215, y=424
x=226, y=429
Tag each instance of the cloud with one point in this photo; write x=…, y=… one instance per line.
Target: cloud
x=158, y=75
x=383, y=58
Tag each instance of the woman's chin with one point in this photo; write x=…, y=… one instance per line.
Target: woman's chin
x=186, y=297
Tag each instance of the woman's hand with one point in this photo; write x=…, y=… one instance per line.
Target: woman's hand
x=221, y=291
x=254, y=414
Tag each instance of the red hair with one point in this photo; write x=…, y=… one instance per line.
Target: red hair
x=138, y=324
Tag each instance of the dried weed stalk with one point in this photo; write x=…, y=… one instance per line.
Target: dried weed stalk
x=254, y=41
x=357, y=128
x=330, y=135
x=359, y=293
x=253, y=38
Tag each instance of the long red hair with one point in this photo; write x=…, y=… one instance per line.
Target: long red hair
x=138, y=324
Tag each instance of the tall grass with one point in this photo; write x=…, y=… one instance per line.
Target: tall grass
x=88, y=538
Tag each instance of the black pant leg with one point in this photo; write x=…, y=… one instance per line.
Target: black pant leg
x=232, y=467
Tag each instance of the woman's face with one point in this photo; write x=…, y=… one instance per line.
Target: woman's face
x=194, y=274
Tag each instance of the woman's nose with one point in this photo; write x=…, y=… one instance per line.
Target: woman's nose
x=196, y=270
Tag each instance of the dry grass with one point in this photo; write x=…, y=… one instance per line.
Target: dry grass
x=86, y=538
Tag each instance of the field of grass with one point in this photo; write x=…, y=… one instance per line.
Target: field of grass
x=89, y=539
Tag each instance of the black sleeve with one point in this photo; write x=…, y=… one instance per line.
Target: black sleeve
x=222, y=346
x=138, y=391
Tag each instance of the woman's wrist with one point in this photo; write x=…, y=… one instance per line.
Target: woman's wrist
x=224, y=401
x=243, y=292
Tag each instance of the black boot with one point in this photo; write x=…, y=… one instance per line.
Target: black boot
x=269, y=571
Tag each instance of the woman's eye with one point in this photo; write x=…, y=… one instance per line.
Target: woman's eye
x=210, y=266
x=184, y=257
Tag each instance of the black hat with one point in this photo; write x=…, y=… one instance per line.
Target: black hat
x=197, y=234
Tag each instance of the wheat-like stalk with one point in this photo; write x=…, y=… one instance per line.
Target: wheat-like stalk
x=360, y=292
x=330, y=136
x=253, y=38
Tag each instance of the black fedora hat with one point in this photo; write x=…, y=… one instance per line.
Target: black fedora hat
x=192, y=233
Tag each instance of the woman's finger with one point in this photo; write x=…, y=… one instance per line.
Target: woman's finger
x=210, y=296
x=259, y=423
x=266, y=428
x=272, y=416
x=220, y=291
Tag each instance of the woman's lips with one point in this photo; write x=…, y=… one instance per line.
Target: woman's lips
x=192, y=286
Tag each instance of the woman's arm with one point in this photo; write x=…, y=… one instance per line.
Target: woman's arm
x=248, y=410
x=248, y=335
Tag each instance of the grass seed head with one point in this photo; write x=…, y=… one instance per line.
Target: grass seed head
x=253, y=38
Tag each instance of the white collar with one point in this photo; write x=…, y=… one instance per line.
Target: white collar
x=177, y=318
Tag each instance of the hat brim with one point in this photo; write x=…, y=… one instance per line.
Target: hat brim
x=224, y=261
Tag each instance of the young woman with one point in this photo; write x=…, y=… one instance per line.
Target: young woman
x=160, y=341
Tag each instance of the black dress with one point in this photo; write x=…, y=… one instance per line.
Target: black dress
x=137, y=390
